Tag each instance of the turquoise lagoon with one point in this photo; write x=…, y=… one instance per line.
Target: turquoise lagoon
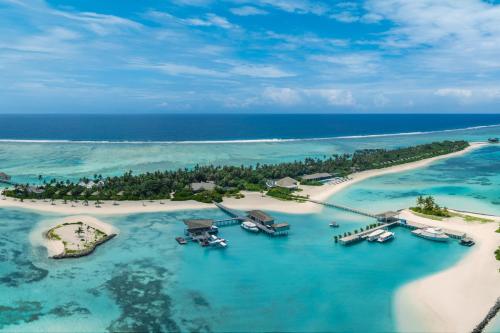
x=143, y=280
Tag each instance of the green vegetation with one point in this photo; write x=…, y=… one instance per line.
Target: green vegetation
x=497, y=253
x=285, y=194
x=428, y=206
x=311, y=183
x=470, y=218
x=230, y=180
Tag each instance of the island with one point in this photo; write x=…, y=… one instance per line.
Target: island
x=211, y=183
x=77, y=237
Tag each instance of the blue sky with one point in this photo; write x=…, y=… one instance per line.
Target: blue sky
x=249, y=56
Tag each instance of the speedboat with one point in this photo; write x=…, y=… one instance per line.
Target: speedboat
x=181, y=240
x=435, y=234
x=387, y=235
x=334, y=224
x=374, y=235
x=250, y=226
x=217, y=242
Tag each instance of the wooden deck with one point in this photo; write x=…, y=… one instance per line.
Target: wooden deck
x=362, y=235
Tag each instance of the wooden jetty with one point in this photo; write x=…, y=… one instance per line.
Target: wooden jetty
x=354, y=238
x=345, y=208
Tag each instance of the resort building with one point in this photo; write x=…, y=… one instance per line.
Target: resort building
x=317, y=176
x=266, y=223
x=286, y=182
x=90, y=184
x=260, y=217
x=200, y=230
x=202, y=186
x=389, y=216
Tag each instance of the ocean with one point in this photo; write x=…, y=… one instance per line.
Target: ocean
x=228, y=127
x=142, y=280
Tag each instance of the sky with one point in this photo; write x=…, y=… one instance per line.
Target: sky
x=110, y=56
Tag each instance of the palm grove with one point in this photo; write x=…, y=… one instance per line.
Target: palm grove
x=229, y=180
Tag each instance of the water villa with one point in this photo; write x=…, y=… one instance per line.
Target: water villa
x=200, y=230
x=388, y=217
x=266, y=223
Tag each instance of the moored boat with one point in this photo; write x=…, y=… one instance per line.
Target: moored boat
x=467, y=241
x=333, y=224
x=181, y=240
x=386, y=236
x=373, y=236
x=435, y=234
x=250, y=226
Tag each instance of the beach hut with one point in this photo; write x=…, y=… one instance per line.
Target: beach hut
x=389, y=216
x=288, y=183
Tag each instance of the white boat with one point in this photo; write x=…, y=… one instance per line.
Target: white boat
x=387, y=235
x=374, y=235
x=250, y=226
x=217, y=242
x=435, y=234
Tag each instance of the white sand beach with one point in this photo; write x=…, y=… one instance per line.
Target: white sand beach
x=55, y=247
x=458, y=298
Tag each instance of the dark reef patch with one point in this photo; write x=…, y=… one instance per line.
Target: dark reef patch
x=26, y=272
x=69, y=309
x=24, y=312
x=137, y=288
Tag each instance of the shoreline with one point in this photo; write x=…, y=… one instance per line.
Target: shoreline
x=455, y=299
x=252, y=200
x=55, y=248
x=458, y=298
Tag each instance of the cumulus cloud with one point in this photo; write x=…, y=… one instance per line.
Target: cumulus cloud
x=294, y=96
x=282, y=96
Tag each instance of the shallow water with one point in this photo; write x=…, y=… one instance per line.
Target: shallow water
x=143, y=280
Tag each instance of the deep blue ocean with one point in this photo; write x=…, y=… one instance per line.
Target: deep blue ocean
x=213, y=127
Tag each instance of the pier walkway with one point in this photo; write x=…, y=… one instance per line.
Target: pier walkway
x=345, y=208
x=362, y=235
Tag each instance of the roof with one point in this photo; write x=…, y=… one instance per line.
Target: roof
x=280, y=225
x=260, y=215
x=286, y=182
x=388, y=214
x=198, y=223
x=202, y=186
x=318, y=175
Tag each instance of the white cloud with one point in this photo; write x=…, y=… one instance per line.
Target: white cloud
x=454, y=92
x=339, y=97
x=211, y=20
x=248, y=11
x=345, y=17
x=358, y=63
x=259, y=71
x=282, y=96
x=297, y=6
x=295, y=96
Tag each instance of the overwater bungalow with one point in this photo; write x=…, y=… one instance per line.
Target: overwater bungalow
x=267, y=224
x=200, y=228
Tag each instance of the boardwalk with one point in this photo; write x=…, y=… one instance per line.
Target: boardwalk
x=348, y=209
x=362, y=235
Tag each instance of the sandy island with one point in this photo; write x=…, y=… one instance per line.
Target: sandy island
x=57, y=248
x=458, y=298
x=455, y=300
